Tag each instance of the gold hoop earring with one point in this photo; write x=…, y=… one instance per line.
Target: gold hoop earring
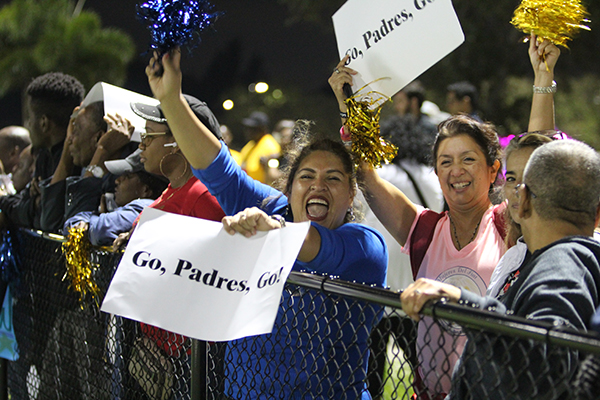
x=185, y=164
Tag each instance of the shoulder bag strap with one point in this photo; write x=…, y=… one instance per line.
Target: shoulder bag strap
x=421, y=238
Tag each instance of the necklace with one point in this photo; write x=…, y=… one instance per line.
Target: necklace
x=161, y=200
x=456, y=235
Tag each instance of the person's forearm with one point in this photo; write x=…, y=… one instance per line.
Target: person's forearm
x=19, y=209
x=542, y=105
x=395, y=211
x=63, y=170
x=100, y=156
x=543, y=56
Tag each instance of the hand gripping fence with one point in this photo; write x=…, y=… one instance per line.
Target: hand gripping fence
x=332, y=340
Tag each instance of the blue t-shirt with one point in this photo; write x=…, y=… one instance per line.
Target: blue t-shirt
x=318, y=347
x=344, y=251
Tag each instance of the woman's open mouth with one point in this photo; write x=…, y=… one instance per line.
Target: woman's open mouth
x=317, y=209
x=460, y=185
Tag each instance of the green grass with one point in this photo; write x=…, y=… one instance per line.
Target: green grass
x=398, y=375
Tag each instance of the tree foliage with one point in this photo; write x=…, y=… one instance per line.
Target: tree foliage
x=39, y=36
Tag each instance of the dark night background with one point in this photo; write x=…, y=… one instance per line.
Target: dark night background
x=290, y=44
x=252, y=41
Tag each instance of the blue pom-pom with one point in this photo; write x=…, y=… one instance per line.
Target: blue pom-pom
x=175, y=23
x=9, y=272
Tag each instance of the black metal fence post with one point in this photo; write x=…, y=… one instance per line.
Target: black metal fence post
x=3, y=379
x=199, y=370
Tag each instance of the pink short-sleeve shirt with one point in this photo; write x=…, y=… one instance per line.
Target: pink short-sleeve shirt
x=471, y=269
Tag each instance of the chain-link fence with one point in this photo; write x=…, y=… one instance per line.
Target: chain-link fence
x=332, y=340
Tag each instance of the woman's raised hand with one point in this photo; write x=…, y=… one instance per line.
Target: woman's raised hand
x=164, y=74
x=543, y=56
x=250, y=221
x=341, y=75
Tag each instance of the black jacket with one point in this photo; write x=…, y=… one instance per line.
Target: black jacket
x=558, y=284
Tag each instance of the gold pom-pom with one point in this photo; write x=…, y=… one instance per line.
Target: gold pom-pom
x=363, y=125
x=555, y=20
x=76, y=250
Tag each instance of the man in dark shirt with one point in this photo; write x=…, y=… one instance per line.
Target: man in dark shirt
x=557, y=283
x=49, y=102
x=91, y=140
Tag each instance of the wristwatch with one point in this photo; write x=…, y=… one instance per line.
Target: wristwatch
x=96, y=170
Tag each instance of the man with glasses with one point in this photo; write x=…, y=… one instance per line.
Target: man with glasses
x=557, y=283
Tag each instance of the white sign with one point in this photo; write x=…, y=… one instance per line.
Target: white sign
x=188, y=276
x=396, y=40
x=118, y=101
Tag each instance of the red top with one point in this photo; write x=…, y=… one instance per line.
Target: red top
x=191, y=199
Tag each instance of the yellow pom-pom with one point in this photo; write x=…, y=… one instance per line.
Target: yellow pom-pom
x=79, y=268
x=363, y=125
x=555, y=20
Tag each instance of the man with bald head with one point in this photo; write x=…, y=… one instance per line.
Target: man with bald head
x=13, y=140
x=557, y=283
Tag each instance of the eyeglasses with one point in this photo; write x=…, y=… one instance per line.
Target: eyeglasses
x=147, y=137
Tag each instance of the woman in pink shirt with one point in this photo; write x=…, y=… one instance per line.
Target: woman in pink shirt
x=463, y=245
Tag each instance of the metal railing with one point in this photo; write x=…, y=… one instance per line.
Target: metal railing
x=323, y=337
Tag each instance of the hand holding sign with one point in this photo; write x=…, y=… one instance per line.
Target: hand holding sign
x=395, y=39
x=250, y=221
x=388, y=43
x=342, y=76
x=118, y=101
x=361, y=119
x=199, y=281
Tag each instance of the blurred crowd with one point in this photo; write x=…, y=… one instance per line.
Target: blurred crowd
x=454, y=216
